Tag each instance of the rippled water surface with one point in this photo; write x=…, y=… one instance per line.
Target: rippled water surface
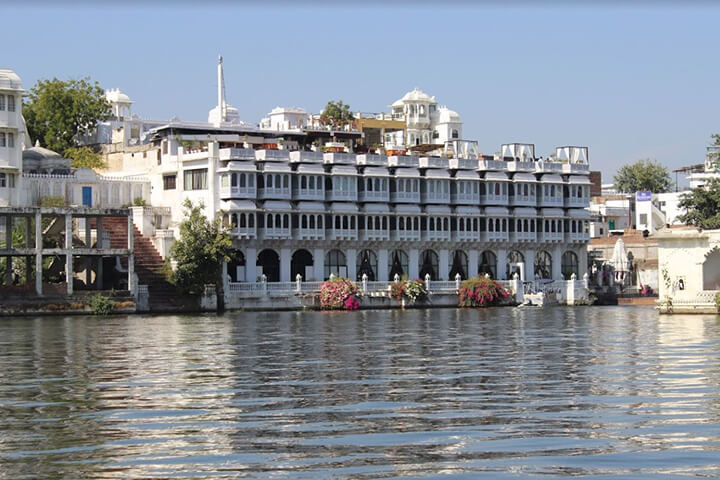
x=499, y=393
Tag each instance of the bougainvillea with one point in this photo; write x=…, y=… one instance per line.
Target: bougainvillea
x=413, y=290
x=480, y=292
x=336, y=292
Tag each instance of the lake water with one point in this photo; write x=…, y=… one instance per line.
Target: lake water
x=498, y=393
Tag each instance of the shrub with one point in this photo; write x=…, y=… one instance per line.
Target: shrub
x=101, y=305
x=413, y=290
x=397, y=289
x=480, y=292
x=717, y=300
x=336, y=292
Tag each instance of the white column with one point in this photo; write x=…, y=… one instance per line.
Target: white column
x=444, y=268
x=351, y=256
x=529, y=265
x=582, y=260
x=285, y=265
x=250, y=265
x=414, y=263
x=472, y=263
x=68, y=254
x=382, y=273
x=557, y=262
x=501, y=263
x=212, y=191
x=319, y=264
x=38, y=252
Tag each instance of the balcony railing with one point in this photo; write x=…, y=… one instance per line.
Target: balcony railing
x=551, y=237
x=372, y=234
x=556, y=201
x=523, y=237
x=306, y=157
x=404, y=235
x=463, y=163
x=493, y=199
x=466, y=236
x=309, y=233
x=276, y=155
x=431, y=235
x=341, y=196
x=405, y=197
x=433, y=162
x=365, y=196
x=371, y=159
x=403, y=161
x=496, y=236
x=545, y=167
x=578, y=202
x=523, y=200
x=465, y=198
x=236, y=154
x=577, y=237
x=243, y=232
x=491, y=165
x=339, y=158
x=343, y=234
x=238, y=192
x=435, y=197
x=267, y=233
x=274, y=193
x=575, y=168
x=307, y=194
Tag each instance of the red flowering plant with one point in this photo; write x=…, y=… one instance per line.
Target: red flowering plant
x=338, y=293
x=480, y=292
x=413, y=290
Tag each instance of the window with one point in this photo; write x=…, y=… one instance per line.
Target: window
x=569, y=264
x=3, y=180
x=2, y=139
x=543, y=265
x=169, y=182
x=488, y=264
x=2, y=102
x=195, y=179
x=643, y=218
x=336, y=263
x=455, y=134
x=11, y=180
x=11, y=140
x=11, y=103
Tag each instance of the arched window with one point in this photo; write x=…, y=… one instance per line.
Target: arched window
x=336, y=263
x=397, y=264
x=569, y=265
x=711, y=270
x=269, y=182
x=429, y=264
x=311, y=182
x=458, y=264
x=312, y=221
x=320, y=221
x=303, y=221
x=455, y=134
x=488, y=264
x=243, y=221
x=367, y=264
x=251, y=220
x=543, y=265
x=233, y=180
x=303, y=182
x=513, y=258
x=269, y=223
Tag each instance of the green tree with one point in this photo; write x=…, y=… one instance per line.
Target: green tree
x=702, y=205
x=202, y=247
x=85, y=157
x=336, y=114
x=715, y=156
x=643, y=176
x=57, y=112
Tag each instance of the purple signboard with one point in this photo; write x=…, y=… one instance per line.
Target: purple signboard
x=643, y=196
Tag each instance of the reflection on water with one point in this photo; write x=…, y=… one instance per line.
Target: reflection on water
x=608, y=392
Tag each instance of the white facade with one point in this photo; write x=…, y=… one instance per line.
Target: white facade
x=285, y=119
x=427, y=123
x=11, y=137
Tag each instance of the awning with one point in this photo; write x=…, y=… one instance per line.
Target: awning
x=552, y=212
x=524, y=177
x=467, y=210
x=279, y=205
x=578, y=213
x=241, y=167
x=497, y=176
x=343, y=207
x=436, y=173
x=550, y=178
x=407, y=172
x=401, y=208
x=578, y=180
x=310, y=207
x=524, y=212
x=376, y=172
x=276, y=168
x=234, y=205
x=496, y=211
x=376, y=208
x=467, y=175
x=343, y=170
x=317, y=169
x=438, y=209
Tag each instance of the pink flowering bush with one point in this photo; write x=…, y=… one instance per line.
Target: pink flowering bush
x=338, y=293
x=480, y=292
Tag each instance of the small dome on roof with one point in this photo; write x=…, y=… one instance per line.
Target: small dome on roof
x=9, y=80
x=416, y=95
x=39, y=153
x=445, y=115
x=114, y=95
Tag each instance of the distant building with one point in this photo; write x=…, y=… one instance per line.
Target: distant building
x=11, y=137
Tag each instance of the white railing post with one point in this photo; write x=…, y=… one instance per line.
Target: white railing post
x=518, y=287
x=457, y=281
x=364, y=282
x=586, y=280
x=263, y=282
x=298, y=283
x=427, y=282
x=332, y=275
x=397, y=278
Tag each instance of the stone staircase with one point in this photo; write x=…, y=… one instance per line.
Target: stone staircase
x=149, y=267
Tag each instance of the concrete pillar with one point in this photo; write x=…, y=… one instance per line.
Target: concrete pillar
x=414, y=263
x=473, y=256
x=556, y=253
x=582, y=260
x=38, y=252
x=250, y=265
x=443, y=267
x=351, y=256
x=285, y=257
x=382, y=273
x=68, y=254
x=213, y=192
x=89, y=259
x=501, y=264
x=99, y=232
x=529, y=264
x=319, y=264
x=131, y=254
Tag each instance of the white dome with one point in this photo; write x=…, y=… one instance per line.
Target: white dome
x=114, y=95
x=416, y=95
x=445, y=115
x=9, y=80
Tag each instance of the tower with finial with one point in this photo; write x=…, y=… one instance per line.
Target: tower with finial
x=222, y=113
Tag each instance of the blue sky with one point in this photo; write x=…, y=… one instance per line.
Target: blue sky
x=627, y=82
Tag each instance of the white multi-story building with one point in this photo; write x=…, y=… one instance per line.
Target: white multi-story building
x=11, y=137
x=427, y=123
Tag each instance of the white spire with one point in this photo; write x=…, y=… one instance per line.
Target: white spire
x=222, y=105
